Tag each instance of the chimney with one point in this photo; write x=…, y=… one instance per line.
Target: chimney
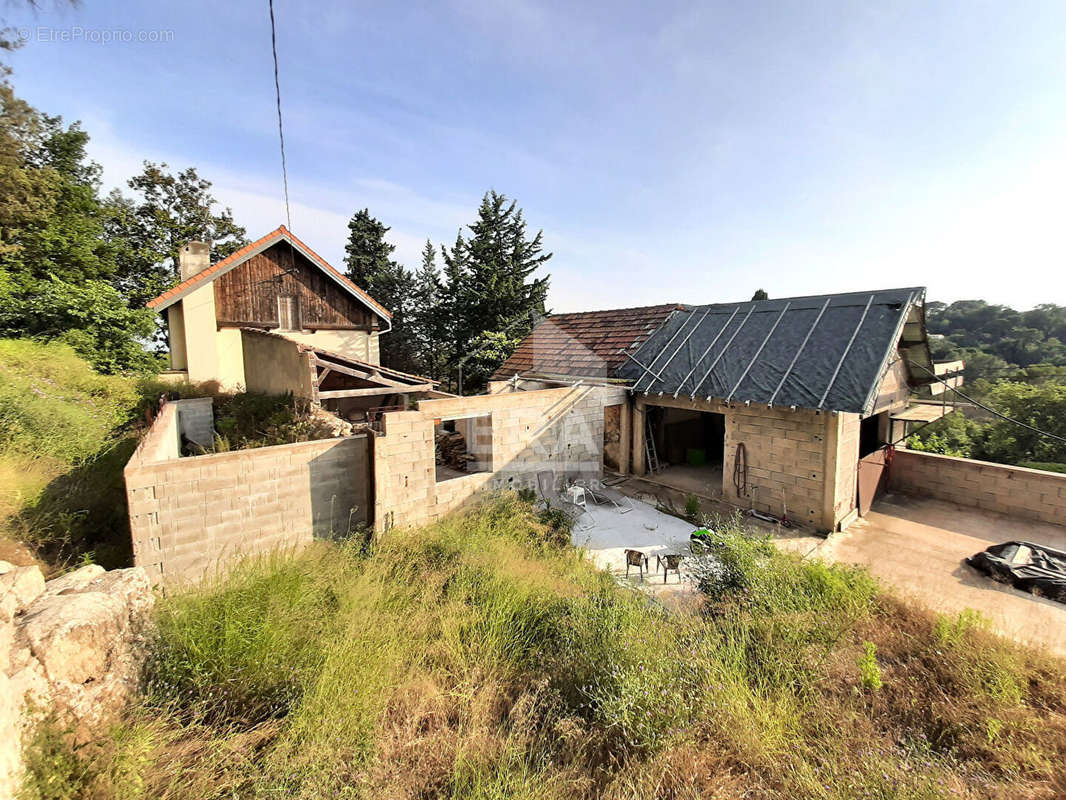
x=194, y=258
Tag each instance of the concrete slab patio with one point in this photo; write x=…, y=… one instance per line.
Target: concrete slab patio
x=918, y=545
x=642, y=528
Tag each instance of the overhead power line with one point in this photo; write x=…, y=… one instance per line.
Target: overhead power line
x=281, y=131
x=981, y=405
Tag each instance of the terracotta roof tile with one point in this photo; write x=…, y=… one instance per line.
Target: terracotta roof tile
x=586, y=344
x=278, y=233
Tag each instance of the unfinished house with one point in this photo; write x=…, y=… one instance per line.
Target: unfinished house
x=275, y=317
x=778, y=405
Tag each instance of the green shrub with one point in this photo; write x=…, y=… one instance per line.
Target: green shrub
x=869, y=671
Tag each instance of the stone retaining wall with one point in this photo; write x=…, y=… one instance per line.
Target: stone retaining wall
x=1017, y=491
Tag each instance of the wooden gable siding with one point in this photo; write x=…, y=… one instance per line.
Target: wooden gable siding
x=248, y=294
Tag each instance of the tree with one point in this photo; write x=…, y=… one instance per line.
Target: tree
x=368, y=258
x=490, y=283
x=427, y=320
x=148, y=230
x=56, y=262
x=368, y=255
x=1042, y=407
x=760, y=294
x=1018, y=338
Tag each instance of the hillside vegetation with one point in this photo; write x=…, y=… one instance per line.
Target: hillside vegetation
x=64, y=439
x=476, y=659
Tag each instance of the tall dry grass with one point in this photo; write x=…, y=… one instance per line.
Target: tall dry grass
x=474, y=659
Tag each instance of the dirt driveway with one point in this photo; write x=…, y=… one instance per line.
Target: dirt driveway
x=918, y=545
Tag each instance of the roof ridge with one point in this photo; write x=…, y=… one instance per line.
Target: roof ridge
x=279, y=233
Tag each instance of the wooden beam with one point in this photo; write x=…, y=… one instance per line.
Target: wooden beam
x=376, y=377
x=334, y=395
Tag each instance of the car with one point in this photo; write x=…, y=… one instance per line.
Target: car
x=1027, y=566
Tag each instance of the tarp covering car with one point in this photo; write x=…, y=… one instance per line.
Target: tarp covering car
x=1026, y=566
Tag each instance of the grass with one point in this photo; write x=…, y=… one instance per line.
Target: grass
x=1047, y=466
x=481, y=658
x=62, y=450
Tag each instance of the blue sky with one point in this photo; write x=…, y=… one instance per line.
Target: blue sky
x=686, y=152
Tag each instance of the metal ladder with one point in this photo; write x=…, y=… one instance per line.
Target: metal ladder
x=649, y=449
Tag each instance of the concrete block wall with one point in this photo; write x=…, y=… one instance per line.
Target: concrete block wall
x=786, y=457
x=196, y=420
x=1016, y=491
x=275, y=365
x=191, y=517
x=845, y=491
x=551, y=429
x=803, y=460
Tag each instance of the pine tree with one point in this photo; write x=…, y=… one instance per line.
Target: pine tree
x=367, y=254
x=429, y=327
x=455, y=299
x=760, y=294
x=370, y=265
x=490, y=287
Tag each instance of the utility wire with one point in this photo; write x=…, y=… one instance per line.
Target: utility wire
x=991, y=411
x=281, y=132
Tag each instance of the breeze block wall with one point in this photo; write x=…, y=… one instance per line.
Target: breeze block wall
x=191, y=517
x=787, y=460
x=1015, y=491
x=528, y=431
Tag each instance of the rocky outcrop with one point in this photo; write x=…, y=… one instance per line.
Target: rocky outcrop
x=71, y=648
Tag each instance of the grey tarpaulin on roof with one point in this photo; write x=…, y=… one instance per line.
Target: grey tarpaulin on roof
x=827, y=351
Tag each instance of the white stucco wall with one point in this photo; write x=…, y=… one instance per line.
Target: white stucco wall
x=355, y=344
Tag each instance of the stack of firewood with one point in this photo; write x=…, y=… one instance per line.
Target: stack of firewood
x=451, y=450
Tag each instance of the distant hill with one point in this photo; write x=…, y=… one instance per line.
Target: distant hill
x=993, y=339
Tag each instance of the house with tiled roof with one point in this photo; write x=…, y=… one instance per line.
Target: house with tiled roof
x=277, y=317
x=783, y=406
x=584, y=344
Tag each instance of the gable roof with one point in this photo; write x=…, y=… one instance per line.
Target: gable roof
x=823, y=351
x=585, y=344
x=234, y=260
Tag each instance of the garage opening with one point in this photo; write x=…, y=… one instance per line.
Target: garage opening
x=690, y=447
x=462, y=446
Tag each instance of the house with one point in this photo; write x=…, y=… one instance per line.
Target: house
x=276, y=317
x=778, y=405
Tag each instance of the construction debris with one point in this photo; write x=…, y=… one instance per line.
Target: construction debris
x=451, y=450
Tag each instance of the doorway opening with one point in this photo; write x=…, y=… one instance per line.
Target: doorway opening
x=612, y=438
